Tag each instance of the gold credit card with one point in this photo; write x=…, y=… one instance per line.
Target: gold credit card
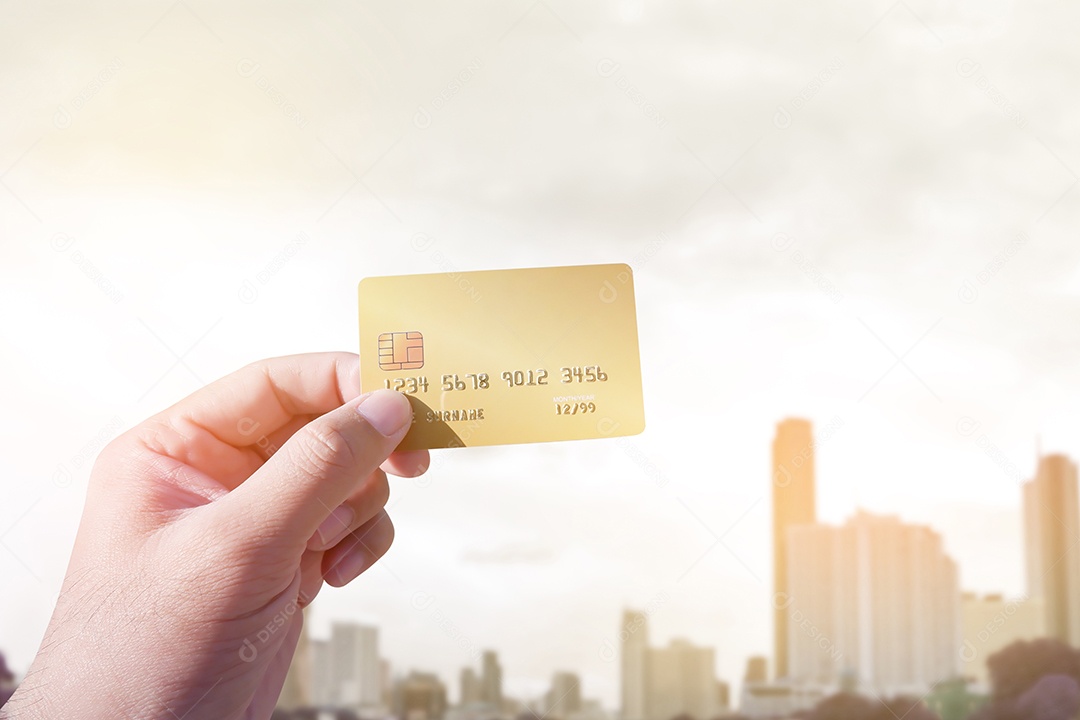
x=494, y=357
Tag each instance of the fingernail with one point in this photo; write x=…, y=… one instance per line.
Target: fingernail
x=355, y=562
x=334, y=527
x=385, y=411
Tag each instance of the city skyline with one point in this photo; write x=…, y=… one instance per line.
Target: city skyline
x=356, y=674
x=876, y=602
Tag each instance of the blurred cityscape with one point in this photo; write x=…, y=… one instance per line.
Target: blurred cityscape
x=869, y=617
x=870, y=623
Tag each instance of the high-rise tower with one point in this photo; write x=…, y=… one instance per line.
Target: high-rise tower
x=634, y=650
x=1051, y=527
x=491, y=679
x=793, y=504
x=878, y=598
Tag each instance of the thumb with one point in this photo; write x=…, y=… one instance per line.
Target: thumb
x=318, y=468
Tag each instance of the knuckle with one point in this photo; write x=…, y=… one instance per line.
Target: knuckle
x=125, y=457
x=326, y=449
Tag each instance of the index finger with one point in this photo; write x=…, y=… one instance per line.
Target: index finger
x=263, y=397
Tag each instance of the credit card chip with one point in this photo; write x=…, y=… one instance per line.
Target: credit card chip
x=401, y=350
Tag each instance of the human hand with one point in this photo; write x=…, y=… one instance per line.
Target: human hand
x=199, y=532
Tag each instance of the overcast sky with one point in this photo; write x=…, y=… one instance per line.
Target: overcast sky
x=862, y=214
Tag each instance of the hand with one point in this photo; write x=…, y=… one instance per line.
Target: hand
x=201, y=540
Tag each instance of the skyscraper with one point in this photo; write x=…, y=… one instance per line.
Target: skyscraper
x=419, y=696
x=822, y=603
x=681, y=680
x=354, y=665
x=564, y=697
x=386, y=683
x=1051, y=529
x=634, y=647
x=491, y=679
x=661, y=683
x=757, y=670
x=471, y=691
x=793, y=504
x=877, y=597
x=323, y=691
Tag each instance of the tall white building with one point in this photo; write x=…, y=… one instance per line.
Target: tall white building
x=876, y=599
x=322, y=683
x=1051, y=529
x=354, y=666
x=821, y=604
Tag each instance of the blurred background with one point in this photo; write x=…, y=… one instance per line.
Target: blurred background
x=858, y=214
